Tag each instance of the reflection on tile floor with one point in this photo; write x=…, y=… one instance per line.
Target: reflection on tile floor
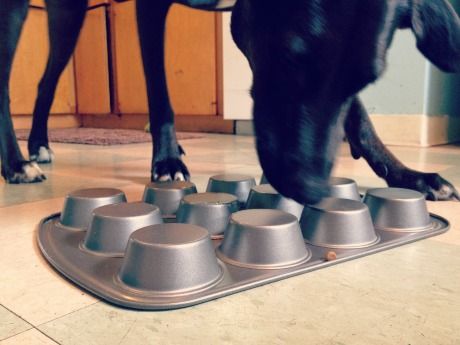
x=409, y=295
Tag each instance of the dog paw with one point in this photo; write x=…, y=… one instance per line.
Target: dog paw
x=170, y=169
x=432, y=185
x=30, y=173
x=44, y=155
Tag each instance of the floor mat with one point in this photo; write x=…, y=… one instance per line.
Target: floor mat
x=100, y=136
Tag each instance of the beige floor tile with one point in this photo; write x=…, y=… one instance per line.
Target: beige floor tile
x=11, y=324
x=31, y=337
x=451, y=211
x=56, y=185
x=28, y=286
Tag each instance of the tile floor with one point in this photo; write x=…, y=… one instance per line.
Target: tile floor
x=408, y=295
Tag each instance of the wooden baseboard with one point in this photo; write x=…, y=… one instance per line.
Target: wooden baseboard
x=184, y=123
x=55, y=121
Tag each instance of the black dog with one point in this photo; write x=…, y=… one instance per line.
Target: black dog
x=310, y=59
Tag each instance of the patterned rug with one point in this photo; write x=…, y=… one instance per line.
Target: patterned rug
x=100, y=136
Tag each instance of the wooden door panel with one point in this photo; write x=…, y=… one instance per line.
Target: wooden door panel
x=29, y=65
x=92, y=64
x=190, y=56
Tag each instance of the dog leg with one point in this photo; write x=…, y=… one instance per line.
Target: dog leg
x=65, y=19
x=365, y=143
x=15, y=169
x=166, y=161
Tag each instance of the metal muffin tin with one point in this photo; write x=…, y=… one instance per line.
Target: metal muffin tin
x=168, y=195
x=125, y=254
x=209, y=210
x=265, y=196
x=236, y=184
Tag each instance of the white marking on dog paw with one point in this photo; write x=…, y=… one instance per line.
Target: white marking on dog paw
x=164, y=178
x=44, y=156
x=31, y=172
x=178, y=176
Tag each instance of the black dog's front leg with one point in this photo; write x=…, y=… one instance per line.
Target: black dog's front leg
x=15, y=169
x=365, y=143
x=166, y=162
x=65, y=19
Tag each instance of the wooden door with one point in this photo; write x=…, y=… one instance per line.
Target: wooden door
x=92, y=74
x=190, y=55
x=29, y=65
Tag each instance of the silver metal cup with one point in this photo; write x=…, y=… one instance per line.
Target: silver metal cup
x=236, y=184
x=263, y=180
x=167, y=195
x=263, y=239
x=79, y=205
x=344, y=188
x=397, y=209
x=338, y=223
x=170, y=259
x=111, y=226
x=209, y=210
x=265, y=196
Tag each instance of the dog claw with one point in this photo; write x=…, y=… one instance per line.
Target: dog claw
x=432, y=185
x=31, y=173
x=171, y=169
x=445, y=192
x=179, y=177
x=164, y=178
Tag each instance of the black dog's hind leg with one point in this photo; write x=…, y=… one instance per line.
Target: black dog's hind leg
x=15, y=169
x=166, y=161
x=365, y=143
x=65, y=19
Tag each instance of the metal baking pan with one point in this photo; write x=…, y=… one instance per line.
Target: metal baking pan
x=173, y=265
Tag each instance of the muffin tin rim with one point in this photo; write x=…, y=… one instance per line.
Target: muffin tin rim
x=152, y=207
x=252, y=226
x=104, y=289
x=204, y=203
x=348, y=246
x=237, y=263
x=172, y=293
x=316, y=206
x=161, y=245
x=419, y=195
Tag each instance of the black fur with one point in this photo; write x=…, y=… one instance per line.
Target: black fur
x=310, y=59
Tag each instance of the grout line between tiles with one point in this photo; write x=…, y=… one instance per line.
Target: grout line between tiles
x=14, y=335
x=67, y=314
x=19, y=317
x=46, y=335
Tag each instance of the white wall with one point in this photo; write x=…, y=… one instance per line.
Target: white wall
x=237, y=78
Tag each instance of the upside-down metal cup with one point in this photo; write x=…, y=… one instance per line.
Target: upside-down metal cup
x=397, y=209
x=263, y=180
x=265, y=196
x=209, y=210
x=170, y=259
x=167, y=195
x=79, y=205
x=236, y=184
x=338, y=223
x=344, y=188
x=263, y=239
x=111, y=226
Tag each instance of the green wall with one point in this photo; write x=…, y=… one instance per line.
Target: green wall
x=401, y=88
